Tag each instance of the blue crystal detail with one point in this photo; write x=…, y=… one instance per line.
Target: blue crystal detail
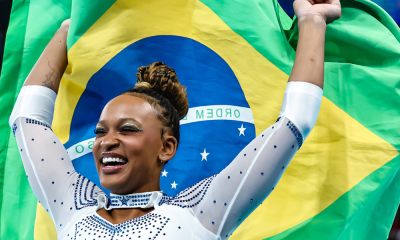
x=191, y=196
x=83, y=195
x=296, y=133
x=103, y=229
x=32, y=121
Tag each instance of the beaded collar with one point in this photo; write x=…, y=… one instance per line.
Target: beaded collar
x=135, y=200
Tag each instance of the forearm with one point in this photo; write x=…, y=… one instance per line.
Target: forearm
x=36, y=102
x=51, y=64
x=309, y=61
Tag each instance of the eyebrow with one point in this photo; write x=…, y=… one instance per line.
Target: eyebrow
x=122, y=120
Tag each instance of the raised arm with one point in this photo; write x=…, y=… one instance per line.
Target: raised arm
x=223, y=201
x=36, y=100
x=50, y=172
x=51, y=64
x=312, y=20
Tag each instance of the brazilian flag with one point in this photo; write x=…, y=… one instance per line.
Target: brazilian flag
x=234, y=57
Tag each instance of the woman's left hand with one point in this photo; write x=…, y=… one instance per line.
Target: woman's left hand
x=328, y=10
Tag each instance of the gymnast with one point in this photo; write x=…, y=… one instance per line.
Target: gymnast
x=138, y=132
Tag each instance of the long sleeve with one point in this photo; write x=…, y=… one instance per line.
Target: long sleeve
x=56, y=184
x=223, y=201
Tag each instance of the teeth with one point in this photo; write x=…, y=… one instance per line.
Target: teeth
x=108, y=160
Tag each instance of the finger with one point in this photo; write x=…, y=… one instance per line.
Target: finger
x=334, y=13
x=299, y=5
x=335, y=2
x=336, y=8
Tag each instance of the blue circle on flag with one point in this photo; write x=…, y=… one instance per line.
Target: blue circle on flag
x=209, y=143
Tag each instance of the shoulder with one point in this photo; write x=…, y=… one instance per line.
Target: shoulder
x=191, y=196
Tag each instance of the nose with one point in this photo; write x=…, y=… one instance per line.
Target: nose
x=109, y=142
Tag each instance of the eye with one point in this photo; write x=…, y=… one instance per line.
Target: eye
x=130, y=128
x=99, y=131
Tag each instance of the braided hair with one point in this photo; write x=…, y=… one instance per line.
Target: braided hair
x=159, y=86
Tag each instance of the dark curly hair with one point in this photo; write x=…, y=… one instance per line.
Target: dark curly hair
x=159, y=86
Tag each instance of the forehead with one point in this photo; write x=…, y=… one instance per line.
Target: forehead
x=127, y=106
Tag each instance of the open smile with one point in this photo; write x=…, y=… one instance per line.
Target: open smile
x=112, y=162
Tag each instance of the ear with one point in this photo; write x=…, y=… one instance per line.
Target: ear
x=168, y=151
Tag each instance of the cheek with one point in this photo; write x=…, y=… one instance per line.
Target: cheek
x=135, y=146
x=146, y=146
x=96, y=149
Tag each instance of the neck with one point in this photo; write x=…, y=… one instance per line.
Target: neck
x=122, y=208
x=147, y=187
x=120, y=215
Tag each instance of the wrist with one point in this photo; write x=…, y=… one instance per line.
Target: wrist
x=63, y=30
x=61, y=34
x=313, y=19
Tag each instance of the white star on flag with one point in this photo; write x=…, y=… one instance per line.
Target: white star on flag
x=241, y=130
x=174, y=185
x=204, y=155
x=164, y=173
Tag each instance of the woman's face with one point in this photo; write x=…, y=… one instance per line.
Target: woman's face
x=128, y=147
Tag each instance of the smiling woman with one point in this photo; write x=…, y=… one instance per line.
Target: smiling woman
x=138, y=132
x=140, y=124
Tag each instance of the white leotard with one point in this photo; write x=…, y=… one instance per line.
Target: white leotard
x=211, y=209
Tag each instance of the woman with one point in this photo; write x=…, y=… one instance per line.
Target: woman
x=138, y=132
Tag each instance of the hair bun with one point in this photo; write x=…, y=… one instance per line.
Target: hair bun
x=163, y=79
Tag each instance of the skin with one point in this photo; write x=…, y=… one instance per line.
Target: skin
x=144, y=148
x=313, y=17
x=52, y=62
x=129, y=126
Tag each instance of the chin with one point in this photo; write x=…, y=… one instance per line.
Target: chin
x=115, y=180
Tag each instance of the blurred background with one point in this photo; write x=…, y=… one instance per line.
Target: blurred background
x=391, y=6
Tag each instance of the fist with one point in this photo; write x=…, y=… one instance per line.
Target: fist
x=328, y=10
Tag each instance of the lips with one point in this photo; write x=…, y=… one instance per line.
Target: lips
x=112, y=162
x=112, y=169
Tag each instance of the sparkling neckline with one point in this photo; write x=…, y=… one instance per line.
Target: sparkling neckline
x=136, y=200
x=97, y=217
